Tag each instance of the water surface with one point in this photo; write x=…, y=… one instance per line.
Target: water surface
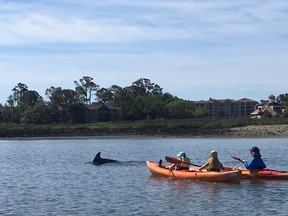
x=56, y=177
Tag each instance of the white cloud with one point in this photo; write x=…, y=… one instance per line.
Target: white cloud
x=168, y=20
x=182, y=45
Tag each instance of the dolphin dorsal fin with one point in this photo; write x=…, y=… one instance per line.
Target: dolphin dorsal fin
x=97, y=157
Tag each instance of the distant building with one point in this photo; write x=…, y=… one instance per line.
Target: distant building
x=244, y=107
x=271, y=109
x=100, y=113
x=227, y=108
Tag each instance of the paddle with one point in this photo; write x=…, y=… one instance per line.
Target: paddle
x=178, y=161
x=236, y=158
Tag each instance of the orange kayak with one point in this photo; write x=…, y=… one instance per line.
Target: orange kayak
x=232, y=176
x=266, y=174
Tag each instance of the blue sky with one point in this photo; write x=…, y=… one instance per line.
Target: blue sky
x=194, y=49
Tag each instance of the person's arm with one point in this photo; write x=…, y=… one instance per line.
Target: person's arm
x=250, y=165
x=246, y=164
x=204, y=166
x=172, y=167
x=256, y=163
x=221, y=166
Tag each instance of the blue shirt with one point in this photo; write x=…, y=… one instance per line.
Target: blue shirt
x=255, y=163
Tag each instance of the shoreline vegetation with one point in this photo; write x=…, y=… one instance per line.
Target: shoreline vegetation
x=161, y=128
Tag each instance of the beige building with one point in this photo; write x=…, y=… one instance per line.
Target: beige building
x=227, y=108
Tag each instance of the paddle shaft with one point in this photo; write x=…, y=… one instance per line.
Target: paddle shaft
x=236, y=158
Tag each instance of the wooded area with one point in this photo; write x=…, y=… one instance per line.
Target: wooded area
x=142, y=100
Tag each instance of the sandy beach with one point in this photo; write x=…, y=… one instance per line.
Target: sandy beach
x=259, y=131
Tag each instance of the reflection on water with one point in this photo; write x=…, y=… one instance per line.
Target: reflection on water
x=185, y=184
x=180, y=184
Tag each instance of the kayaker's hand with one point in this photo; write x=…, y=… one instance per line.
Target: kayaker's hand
x=172, y=167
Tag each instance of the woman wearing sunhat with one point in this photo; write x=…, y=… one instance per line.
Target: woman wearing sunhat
x=256, y=162
x=213, y=163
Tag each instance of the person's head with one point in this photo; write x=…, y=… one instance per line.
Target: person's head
x=255, y=151
x=181, y=154
x=213, y=154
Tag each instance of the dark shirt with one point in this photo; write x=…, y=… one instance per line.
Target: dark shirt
x=255, y=163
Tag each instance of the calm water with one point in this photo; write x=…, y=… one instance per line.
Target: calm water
x=56, y=177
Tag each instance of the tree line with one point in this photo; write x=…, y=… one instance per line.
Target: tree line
x=142, y=100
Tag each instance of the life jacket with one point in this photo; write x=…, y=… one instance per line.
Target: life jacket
x=185, y=164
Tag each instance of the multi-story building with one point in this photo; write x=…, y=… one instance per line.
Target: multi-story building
x=244, y=107
x=227, y=108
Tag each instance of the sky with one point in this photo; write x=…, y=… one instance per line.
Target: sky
x=193, y=49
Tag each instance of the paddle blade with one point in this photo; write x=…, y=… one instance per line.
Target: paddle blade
x=172, y=160
x=178, y=161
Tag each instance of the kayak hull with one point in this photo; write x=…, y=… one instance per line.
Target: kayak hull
x=265, y=174
x=232, y=176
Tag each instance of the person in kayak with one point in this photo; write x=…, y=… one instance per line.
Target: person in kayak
x=213, y=163
x=256, y=162
x=185, y=162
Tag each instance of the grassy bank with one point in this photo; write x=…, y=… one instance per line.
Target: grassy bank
x=193, y=127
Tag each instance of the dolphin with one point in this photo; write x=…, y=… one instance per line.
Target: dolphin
x=99, y=161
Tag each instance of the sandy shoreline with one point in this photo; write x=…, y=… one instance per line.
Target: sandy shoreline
x=260, y=131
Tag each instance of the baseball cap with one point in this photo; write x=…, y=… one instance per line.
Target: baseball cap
x=255, y=149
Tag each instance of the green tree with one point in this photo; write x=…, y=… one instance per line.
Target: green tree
x=85, y=88
x=144, y=86
x=124, y=99
x=282, y=98
x=39, y=114
x=22, y=99
x=200, y=112
x=104, y=95
x=181, y=109
x=148, y=107
x=12, y=115
x=61, y=101
x=116, y=91
x=31, y=98
x=17, y=97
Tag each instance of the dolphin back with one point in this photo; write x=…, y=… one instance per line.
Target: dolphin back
x=99, y=161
